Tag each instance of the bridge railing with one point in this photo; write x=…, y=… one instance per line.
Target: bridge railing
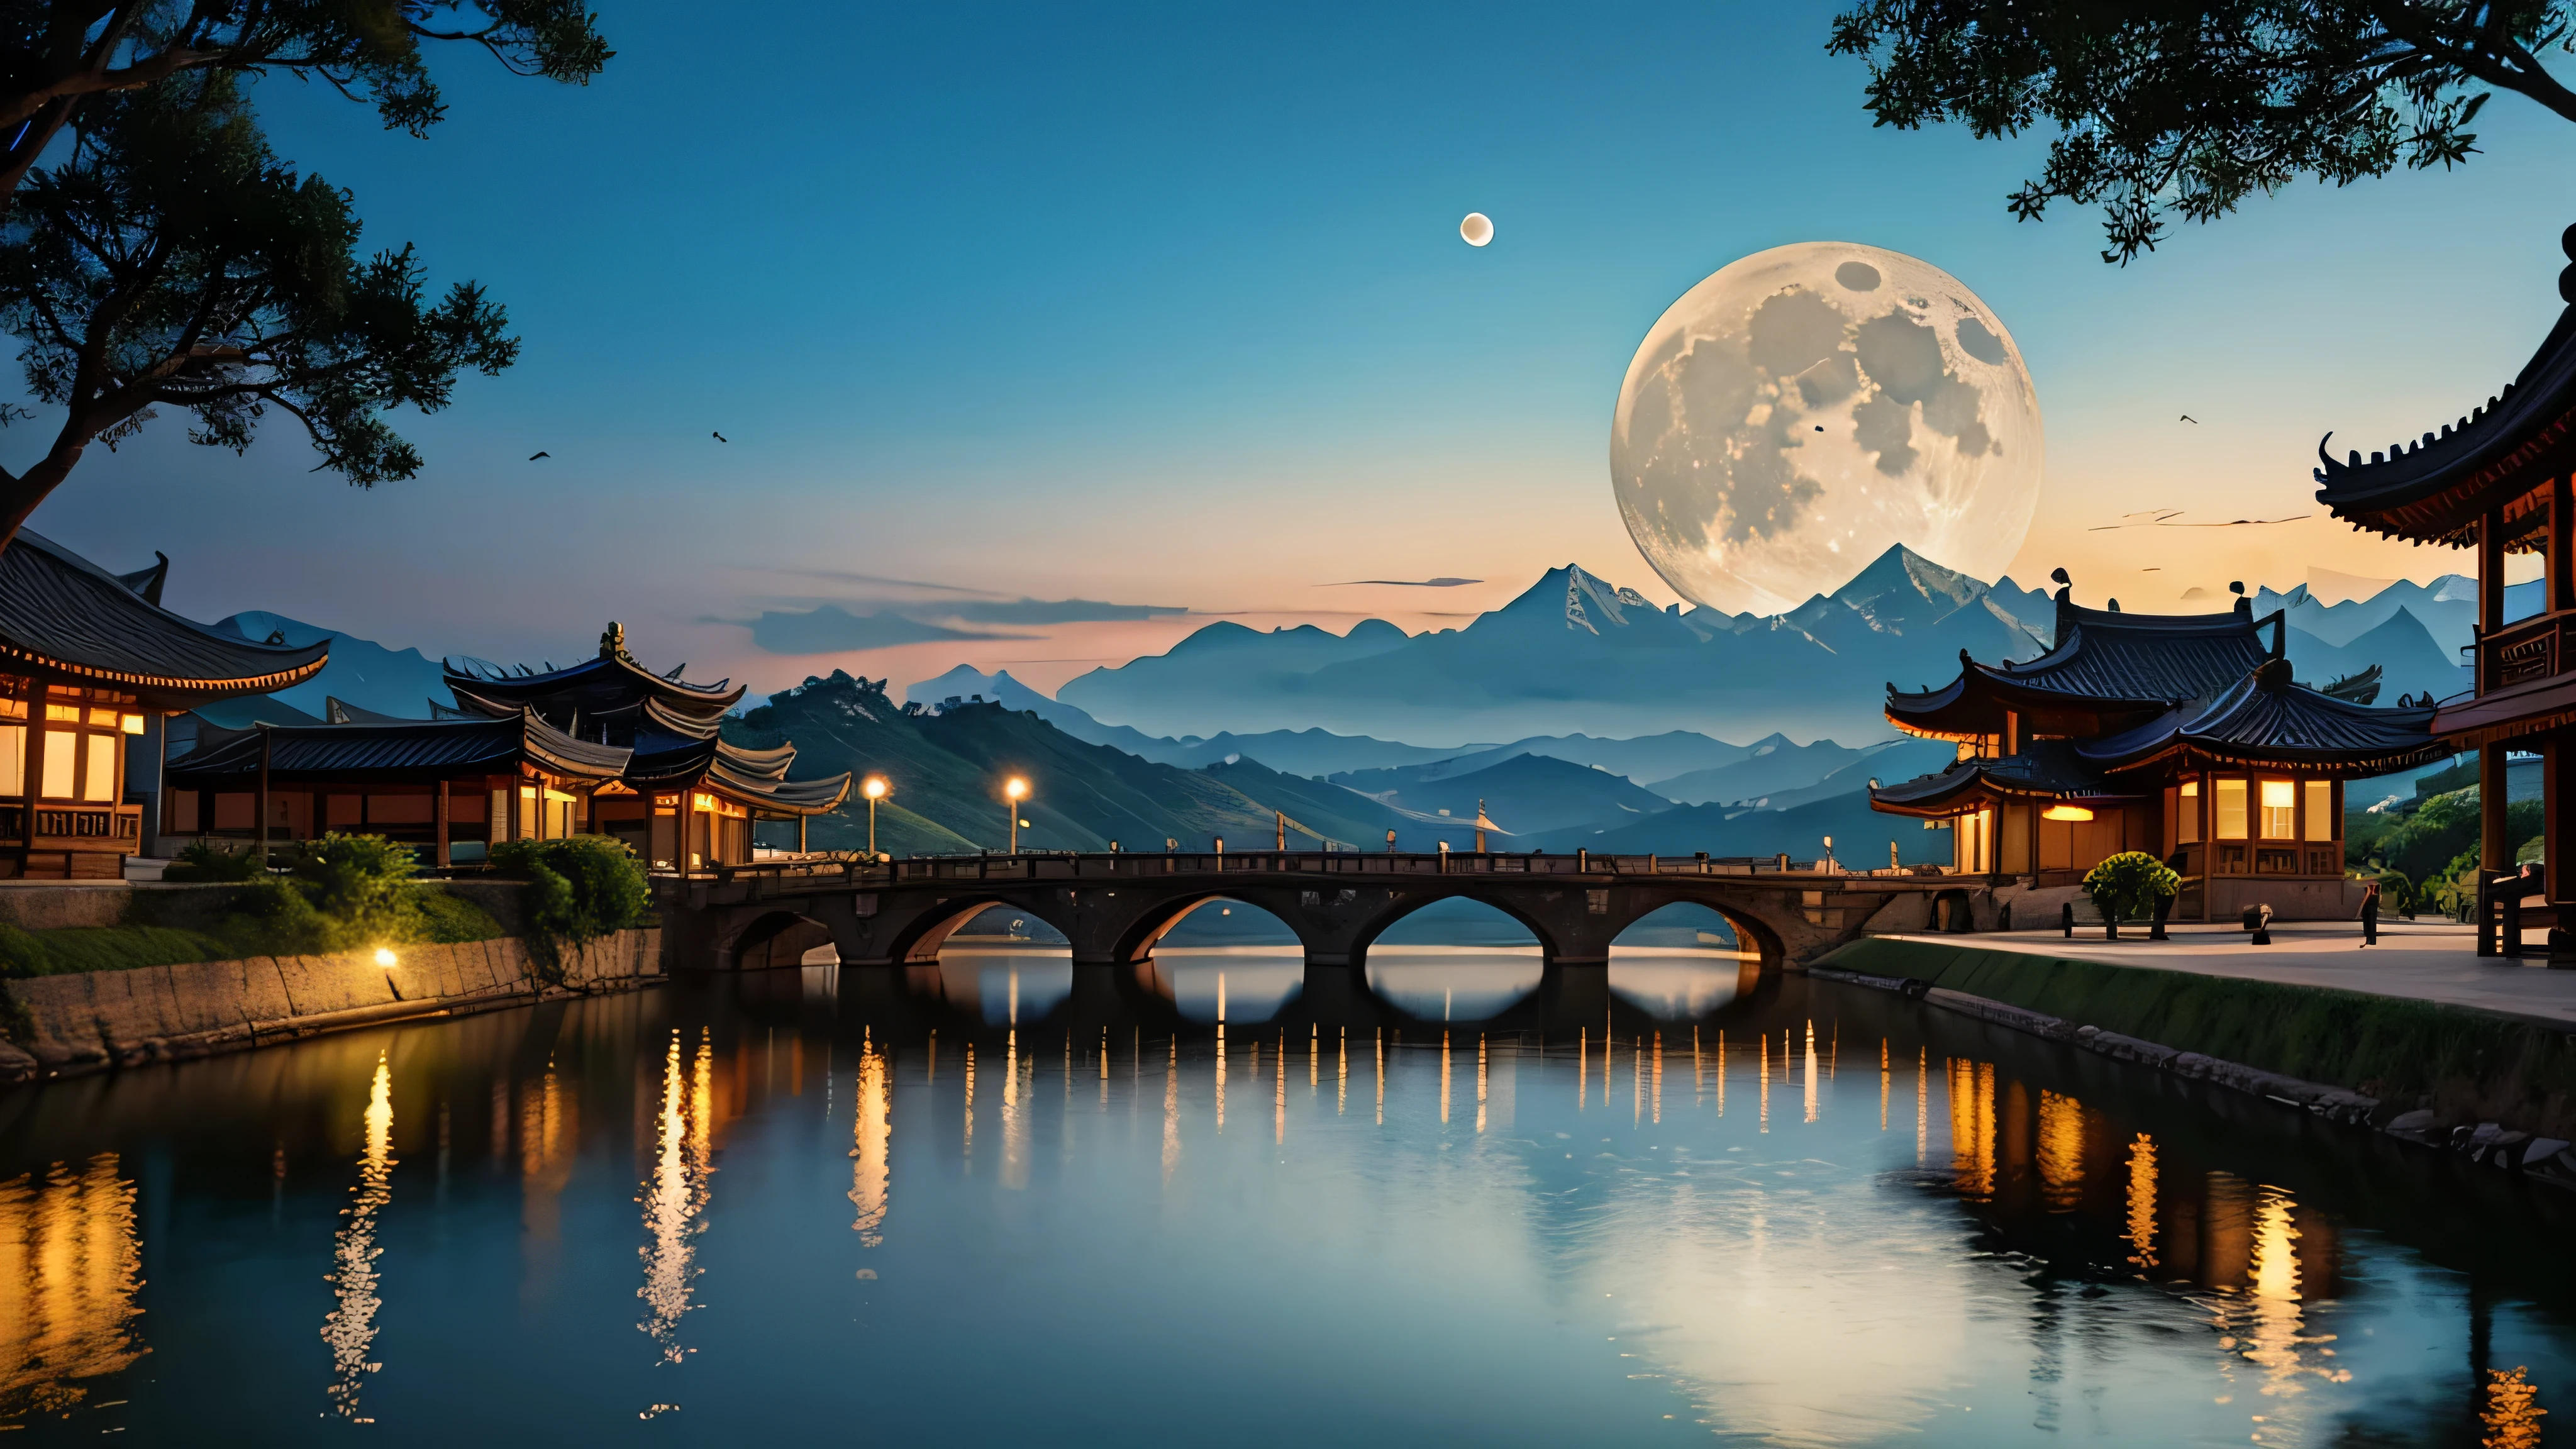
x=855, y=870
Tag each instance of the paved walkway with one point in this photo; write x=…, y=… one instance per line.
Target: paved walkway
x=2424, y=960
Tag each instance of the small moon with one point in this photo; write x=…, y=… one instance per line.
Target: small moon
x=1477, y=229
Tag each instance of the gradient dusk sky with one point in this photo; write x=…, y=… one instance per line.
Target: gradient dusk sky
x=1167, y=306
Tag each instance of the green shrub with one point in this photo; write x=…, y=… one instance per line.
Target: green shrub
x=2444, y=827
x=580, y=888
x=202, y=862
x=362, y=884
x=2130, y=885
x=448, y=918
x=21, y=954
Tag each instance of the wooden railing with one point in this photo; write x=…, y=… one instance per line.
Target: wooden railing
x=857, y=870
x=2534, y=648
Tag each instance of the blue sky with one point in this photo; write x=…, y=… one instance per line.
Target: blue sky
x=1166, y=306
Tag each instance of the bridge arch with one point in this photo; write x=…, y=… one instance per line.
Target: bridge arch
x=779, y=938
x=919, y=939
x=1413, y=902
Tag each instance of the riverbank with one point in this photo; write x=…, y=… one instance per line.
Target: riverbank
x=64, y=1025
x=2425, y=1070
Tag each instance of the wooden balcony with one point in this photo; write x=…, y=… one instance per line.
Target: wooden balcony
x=2534, y=648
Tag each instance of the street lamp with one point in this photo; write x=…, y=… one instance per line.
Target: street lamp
x=875, y=789
x=1017, y=790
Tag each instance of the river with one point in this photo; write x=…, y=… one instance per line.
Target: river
x=988, y=1203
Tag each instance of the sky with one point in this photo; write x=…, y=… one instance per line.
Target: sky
x=1165, y=308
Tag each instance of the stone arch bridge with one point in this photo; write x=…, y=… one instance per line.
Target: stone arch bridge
x=1113, y=908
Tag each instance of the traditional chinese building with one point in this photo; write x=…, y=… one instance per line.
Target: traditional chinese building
x=2497, y=481
x=86, y=657
x=443, y=784
x=2183, y=736
x=605, y=746
x=687, y=797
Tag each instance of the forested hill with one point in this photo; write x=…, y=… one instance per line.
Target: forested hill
x=947, y=771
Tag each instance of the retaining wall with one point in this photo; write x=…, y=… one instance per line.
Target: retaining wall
x=89, y=1021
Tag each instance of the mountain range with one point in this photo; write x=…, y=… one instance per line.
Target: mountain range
x=1613, y=718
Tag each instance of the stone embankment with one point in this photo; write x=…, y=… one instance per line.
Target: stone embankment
x=94, y=1020
x=74, y=1022
x=2442, y=1121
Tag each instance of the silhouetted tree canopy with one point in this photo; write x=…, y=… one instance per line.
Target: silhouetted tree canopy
x=57, y=56
x=2168, y=110
x=170, y=259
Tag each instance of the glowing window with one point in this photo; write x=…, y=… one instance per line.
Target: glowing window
x=13, y=708
x=2280, y=810
x=2320, y=802
x=98, y=781
x=132, y=724
x=63, y=713
x=106, y=717
x=13, y=759
x=2187, y=814
x=2230, y=802
x=62, y=763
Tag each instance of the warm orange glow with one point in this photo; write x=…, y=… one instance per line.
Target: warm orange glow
x=2066, y=812
x=702, y=802
x=1017, y=789
x=876, y=788
x=133, y=724
x=385, y=957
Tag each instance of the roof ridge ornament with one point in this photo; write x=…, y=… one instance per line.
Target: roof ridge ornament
x=612, y=643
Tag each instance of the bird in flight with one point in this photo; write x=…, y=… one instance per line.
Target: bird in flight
x=2188, y=418
x=721, y=438
x=540, y=453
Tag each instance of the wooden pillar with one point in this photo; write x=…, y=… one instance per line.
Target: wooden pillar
x=259, y=807
x=2495, y=852
x=36, y=733
x=2562, y=545
x=2490, y=589
x=2208, y=809
x=800, y=834
x=438, y=853
x=2555, y=841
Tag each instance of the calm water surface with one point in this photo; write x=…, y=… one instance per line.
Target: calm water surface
x=1000, y=1200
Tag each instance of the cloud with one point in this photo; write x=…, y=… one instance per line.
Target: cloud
x=1403, y=583
x=1044, y=611
x=832, y=629
x=851, y=578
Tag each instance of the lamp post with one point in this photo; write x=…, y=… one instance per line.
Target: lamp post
x=1017, y=790
x=875, y=789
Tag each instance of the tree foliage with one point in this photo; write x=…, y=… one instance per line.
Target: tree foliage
x=172, y=260
x=59, y=56
x=2167, y=110
x=2130, y=885
x=580, y=888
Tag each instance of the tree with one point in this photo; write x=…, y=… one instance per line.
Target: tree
x=2184, y=110
x=59, y=56
x=171, y=259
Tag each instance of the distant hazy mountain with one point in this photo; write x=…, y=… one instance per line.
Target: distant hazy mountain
x=1652, y=757
x=2410, y=662
x=1298, y=752
x=1524, y=794
x=1575, y=653
x=1861, y=835
x=395, y=682
x=1770, y=765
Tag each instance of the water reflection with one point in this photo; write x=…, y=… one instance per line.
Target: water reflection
x=350, y=1328
x=70, y=1263
x=1679, y=985
x=2087, y=1256
x=675, y=1195
x=1446, y=983
x=1263, y=980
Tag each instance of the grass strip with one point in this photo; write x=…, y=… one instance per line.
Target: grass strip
x=2405, y=1052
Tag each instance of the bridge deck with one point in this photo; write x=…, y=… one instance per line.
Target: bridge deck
x=821, y=870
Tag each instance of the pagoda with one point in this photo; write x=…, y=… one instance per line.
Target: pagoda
x=2497, y=481
x=686, y=796
x=2180, y=735
x=86, y=657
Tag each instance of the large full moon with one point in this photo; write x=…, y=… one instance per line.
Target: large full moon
x=1802, y=409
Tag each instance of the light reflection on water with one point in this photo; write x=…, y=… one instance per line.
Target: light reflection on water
x=1547, y=1233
